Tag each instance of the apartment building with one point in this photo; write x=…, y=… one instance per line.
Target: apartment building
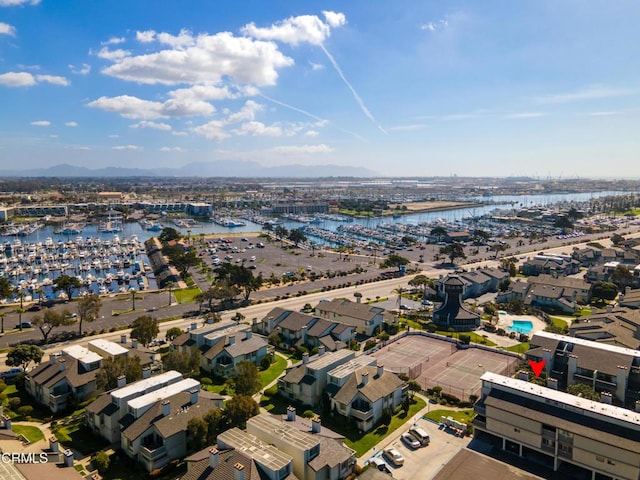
x=364, y=318
x=604, y=367
x=564, y=432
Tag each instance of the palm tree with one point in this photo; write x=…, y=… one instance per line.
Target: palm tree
x=170, y=286
x=20, y=310
x=399, y=291
x=2, y=315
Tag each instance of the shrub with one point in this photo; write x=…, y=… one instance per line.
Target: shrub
x=25, y=410
x=271, y=391
x=308, y=414
x=14, y=403
x=206, y=381
x=265, y=363
x=101, y=461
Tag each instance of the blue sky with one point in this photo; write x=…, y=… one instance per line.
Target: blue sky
x=405, y=88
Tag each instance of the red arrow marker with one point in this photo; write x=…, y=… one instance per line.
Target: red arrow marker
x=537, y=366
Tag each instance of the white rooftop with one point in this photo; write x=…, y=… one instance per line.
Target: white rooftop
x=580, y=404
x=165, y=392
x=250, y=445
x=318, y=362
x=589, y=343
x=288, y=434
x=230, y=330
x=109, y=347
x=82, y=354
x=352, y=365
x=212, y=327
x=143, y=386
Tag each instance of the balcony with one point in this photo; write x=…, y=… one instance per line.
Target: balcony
x=480, y=423
x=361, y=414
x=153, y=453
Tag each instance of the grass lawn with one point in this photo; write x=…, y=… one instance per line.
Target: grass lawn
x=361, y=443
x=559, y=322
x=10, y=390
x=463, y=416
x=475, y=338
x=33, y=434
x=186, y=295
x=275, y=404
x=219, y=386
x=274, y=371
x=415, y=325
x=76, y=435
x=519, y=348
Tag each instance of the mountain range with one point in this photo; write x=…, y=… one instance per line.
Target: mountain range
x=242, y=169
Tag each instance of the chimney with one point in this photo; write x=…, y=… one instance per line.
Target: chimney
x=321, y=350
x=146, y=372
x=134, y=343
x=63, y=364
x=121, y=381
x=54, y=446
x=380, y=370
x=193, y=396
x=238, y=471
x=68, y=458
x=305, y=357
x=315, y=424
x=552, y=383
x=52, y=359
x=166, y=408
x=249, y=335
x=7, y=422
x=303, y=334
x=609, y=308
x=254, y=321
x=365, y=378
x=193, y=326
x=606, y=397
x=523, y=375
x=213, y=458
x=210, y=321
x=637, y=406
x=291, y=413
x=627, y=289
x=231, y=339
x=123, y=338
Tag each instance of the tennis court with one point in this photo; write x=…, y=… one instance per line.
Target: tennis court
x=435, y=362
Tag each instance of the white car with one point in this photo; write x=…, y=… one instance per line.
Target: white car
x=410, y=441
x=393, y=456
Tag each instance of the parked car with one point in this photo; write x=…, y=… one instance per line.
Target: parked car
x=405, y=307
x=410, y=440
x=420, y=435
x=393, y=456
x=378, y=463
x=11, y=374
x=427, y=303
x=35, y=308
x=24, y=325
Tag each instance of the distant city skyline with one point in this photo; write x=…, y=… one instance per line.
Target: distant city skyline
x=414, y=88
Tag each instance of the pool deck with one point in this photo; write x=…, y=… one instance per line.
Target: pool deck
x=504, y=321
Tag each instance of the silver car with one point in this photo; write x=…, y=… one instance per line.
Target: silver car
x=409, y=440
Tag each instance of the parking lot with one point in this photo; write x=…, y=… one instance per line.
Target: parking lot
x=422, y=463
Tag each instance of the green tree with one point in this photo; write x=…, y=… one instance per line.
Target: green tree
x=583, y=390
x=67, y=284
x=101, y=461
x=183, y=261
x=503, y=286
x=145, y=329
x=394, y=260
x=88, y=309
x=420, y=281
x=239, y=409
x=414, y=387
x=621, y=276
x=508, y=264
x=168, y=234
x=439, y=233
x=453, y=251
x=173, y=333
x=51, y=319
x=23, y=355
x=114, y=367
x=605, y=290
x=617, y=239
x=6, y=289
x=246, y=380
x=197, y=433
x=297, y=236
x=216, y=424
x=564, y=223
x=186, y=362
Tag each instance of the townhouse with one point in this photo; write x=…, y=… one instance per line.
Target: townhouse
x=364, y=318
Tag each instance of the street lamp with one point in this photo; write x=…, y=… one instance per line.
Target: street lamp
x=133, y=299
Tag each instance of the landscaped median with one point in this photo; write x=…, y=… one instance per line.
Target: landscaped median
x=31, y=433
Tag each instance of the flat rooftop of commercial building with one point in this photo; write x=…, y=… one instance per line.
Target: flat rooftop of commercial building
x=559, y=399
x=318, y=362
x=109, y=347
x=253, y=447
x=281, y=429
x=82, y=354
x=352, y=365
x=143, y=385
x=165, y=392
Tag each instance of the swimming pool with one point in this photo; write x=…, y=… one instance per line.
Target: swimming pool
x=521, y=326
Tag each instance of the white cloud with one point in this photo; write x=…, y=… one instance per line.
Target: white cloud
x=54, y=136
x=71, y=124
x=183, y=39
x=79, y=147
x=590, y=93
x=15, y=3
x=311, y=133
x=135, y=108
x=247, y=112
x=128, y=147
x=525, y=115
x=17, y=79
x=117, y=54
x=259, y=129
x=114, y=41
x=209, y=60
x=302, y=149
x=179, y=134
x=213, y=130
x=83, y=69
x=294, y=30
x=153, y=125
x=601, y=114
x=172, y=149
x=316, y=66
x=147, y=36
x=408, y=128
x=433, y=26
x=113, y=136
x=6, y=29
x=41, y=123
x=53, y=79
x=334, y=19
x=204, y=92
